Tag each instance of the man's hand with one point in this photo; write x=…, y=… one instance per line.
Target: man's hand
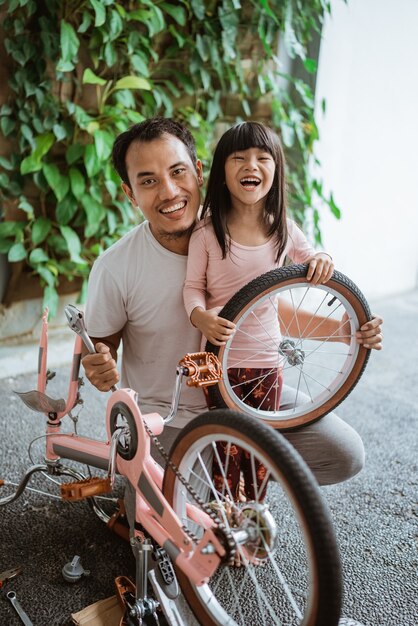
x=217, y=329
x=100, y=368
x=370, y=334
x=321, y=267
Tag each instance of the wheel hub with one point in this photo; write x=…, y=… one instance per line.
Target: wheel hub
x=258, y=524
x=294, y=356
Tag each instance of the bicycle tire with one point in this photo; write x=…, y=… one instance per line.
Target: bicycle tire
x=305, y=532
x=289, y=283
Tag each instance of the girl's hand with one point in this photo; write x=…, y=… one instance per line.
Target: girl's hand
x=320, y=268
x=216, y=329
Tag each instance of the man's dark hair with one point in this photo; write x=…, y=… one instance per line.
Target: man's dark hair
x=145, y=131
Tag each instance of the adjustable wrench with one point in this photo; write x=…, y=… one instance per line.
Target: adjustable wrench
x=11, y=596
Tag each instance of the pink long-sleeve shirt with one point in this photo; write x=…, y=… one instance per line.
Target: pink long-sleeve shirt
x=211, y=281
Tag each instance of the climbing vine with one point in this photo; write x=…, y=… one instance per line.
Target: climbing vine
x=81, y=71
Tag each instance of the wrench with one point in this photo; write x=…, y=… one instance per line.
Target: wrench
x=11, y=595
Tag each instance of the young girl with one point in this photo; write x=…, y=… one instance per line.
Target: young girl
x=244, y=232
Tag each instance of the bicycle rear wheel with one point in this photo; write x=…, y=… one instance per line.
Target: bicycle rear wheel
x=289, y=329
x=290, y=570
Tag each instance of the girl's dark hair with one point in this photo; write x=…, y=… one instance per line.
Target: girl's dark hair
x=145, y=131
x=217, y=202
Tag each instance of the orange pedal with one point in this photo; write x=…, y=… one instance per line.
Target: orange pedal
x=85, y=488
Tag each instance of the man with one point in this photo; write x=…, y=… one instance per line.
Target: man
x=135, y=296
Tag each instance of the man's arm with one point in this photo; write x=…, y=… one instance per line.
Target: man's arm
x=100, y=368
x=294, y=323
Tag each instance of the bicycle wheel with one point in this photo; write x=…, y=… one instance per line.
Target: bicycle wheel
x=294, y=355
x=290, y=569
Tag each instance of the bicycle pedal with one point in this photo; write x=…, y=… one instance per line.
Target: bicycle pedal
x=166, y=573
x=87, y=488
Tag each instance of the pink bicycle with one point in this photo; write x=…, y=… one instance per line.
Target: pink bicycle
x=273, y=560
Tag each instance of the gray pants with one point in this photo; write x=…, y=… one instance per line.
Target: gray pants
x=332, y=449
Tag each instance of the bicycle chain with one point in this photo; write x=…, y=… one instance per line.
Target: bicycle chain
x=203, y=505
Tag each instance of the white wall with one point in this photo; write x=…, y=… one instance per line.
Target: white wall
x=368, y=73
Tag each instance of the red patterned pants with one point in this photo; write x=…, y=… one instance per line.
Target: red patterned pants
x=258, y=388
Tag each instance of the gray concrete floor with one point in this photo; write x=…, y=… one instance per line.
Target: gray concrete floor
x=375, y=514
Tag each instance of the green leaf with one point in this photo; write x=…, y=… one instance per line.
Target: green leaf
x=91, y=160
x=268, y=10
x=38, y=256
x=100, y=12
x=73, y=244
x=334, y=209
x=139, y=63
x=134, y=116
x=90, y=78
x=77, y=182
x=26, y=207
x=310, y=65
x=58, y=183
x=103, y=141
x=132, y=82
x=198, y=9
x=85, y=23
x=50, y=300
x=11, y=229
x=59, y=131
x=40, y=230
x=69, y=43
x=82, y=296
x=16, y=253
x=74, y=152
x=112, y=188
x=33, y=163
x=115, y=25
x=5, y=109
x=176, y=12
x=7, y=125
x=46, y=275
x=6, y=163
x=5, y=246
x=202, y=47
x=110, y=54
x=95, y=214
x=66, y=209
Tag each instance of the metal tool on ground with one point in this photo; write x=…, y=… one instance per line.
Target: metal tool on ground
x=8, y=574
x=11, y=596
x=73, y=571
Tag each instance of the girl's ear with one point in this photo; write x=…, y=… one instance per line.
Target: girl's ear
x=199, y=171
x=129, y=194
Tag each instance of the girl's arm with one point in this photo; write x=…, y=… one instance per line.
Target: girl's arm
x=194, y=290
x=321, y=265
x=213, y=327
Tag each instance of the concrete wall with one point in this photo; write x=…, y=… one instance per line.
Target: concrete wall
x=369, y=141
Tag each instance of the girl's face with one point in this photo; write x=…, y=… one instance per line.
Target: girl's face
x=249, y=175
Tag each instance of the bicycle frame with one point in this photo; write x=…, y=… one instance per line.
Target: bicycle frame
x=152, y=511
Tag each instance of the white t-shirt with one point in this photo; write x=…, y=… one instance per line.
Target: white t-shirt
x=136, y=285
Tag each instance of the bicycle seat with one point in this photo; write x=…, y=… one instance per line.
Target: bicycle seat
x=40, y=402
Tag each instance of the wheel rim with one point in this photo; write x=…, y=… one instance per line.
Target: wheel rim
x=284, y=589
x=317, y=369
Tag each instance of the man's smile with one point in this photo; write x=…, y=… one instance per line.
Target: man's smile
x=174, y=208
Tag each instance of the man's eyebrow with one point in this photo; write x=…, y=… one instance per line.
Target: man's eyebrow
x=140, y=174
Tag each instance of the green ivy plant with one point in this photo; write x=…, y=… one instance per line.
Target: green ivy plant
x=82, y=71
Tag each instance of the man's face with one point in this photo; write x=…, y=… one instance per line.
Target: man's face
x=165, y=185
